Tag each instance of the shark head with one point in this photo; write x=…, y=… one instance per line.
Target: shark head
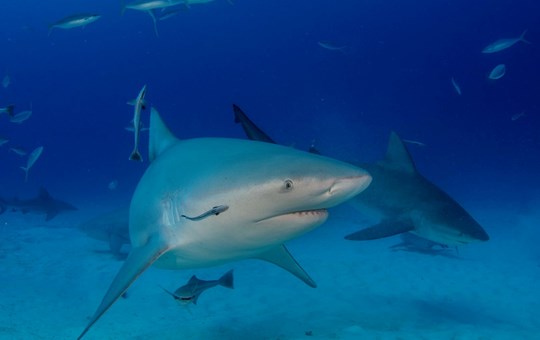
x=448, y=223
x=208, y=201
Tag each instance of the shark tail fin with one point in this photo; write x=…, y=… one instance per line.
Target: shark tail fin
x=227, y=280
x=522, y=37
x=139, y=259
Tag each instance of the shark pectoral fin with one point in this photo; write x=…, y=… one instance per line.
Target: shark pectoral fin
x=281, y=257
x=381, y=230
x=139, y=259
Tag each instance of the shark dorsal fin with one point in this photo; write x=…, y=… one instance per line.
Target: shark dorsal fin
x=193, y=279
x=397, y=155
x=44, y=194
x=161, y=137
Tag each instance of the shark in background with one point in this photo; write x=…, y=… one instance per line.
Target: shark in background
x=209, y=201
x=403, y=200
x=44, y=203
x=111, y=227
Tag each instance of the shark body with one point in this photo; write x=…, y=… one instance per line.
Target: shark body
x=404, y=200
x=272, y=194
x=44, y=203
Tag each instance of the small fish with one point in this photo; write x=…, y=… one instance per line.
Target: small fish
x=503, y=44
x=413, y=142
x=331, y=46
x=20, y=117
x=8, y=110
x=3, y=140
x=19, y=151
x=113, y=185
x=139, y=105
x=518, y=116
x=214, y=211
x=190, y=292
x=456, y=86
x=31, y=160
x=6, y=81
x=147, y=5
x=164, y=15
x=498, y=72
x=76, y=20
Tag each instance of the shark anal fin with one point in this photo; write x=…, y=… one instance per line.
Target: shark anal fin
x=139, y=259
x=281, y=257
x=381, y=230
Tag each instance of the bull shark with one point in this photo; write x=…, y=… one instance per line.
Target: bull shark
x=405, y=201
x=271, y=193
x=44, y=203
x=111, y=227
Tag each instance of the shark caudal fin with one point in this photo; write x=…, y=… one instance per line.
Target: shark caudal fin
x=135, y=156
x=139, y=259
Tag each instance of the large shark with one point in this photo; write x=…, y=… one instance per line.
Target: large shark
x=208, y=201
x=403, y=199
x=44, y=203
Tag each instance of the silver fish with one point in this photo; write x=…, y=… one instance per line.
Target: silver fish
x=31, y=160
x=498, y=72
x=139, y=105
x=76, y=20
x=19, y=151
x=20, y=117
x=190, y=292
x=456, y=86
x=503, y=44
x=517, y=116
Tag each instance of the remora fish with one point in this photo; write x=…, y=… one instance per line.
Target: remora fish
x=498, y=72
x=416, y=244
x=273, y=194
x=34, y=155
x=139, y=105
x=408, y=202
x=43, y=204
x=190, y=292
x=503, y=44
x=20, y=117
x=76, y=20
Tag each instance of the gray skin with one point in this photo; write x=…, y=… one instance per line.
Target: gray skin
x=406, y=201
x=403, y=199
x=190, y=292
x=43, y=204
x=111, y=227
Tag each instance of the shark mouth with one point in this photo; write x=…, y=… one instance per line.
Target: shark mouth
x=317, y=214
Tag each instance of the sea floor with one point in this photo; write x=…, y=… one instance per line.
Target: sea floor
x=53, y=277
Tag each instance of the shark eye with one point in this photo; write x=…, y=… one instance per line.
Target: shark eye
x=288, y=185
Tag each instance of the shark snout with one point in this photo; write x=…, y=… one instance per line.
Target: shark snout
x=350, y=186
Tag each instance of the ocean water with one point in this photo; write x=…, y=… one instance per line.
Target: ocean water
x=393, y=73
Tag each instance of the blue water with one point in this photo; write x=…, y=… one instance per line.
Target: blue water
x=394, y=74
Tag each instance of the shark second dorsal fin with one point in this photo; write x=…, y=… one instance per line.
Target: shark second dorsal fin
x=397, y=155
x=281, y=257
x=161, y=137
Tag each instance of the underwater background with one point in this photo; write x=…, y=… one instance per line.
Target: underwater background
x=393, y=71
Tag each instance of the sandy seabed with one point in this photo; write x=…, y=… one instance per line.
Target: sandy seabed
x=53, y=277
